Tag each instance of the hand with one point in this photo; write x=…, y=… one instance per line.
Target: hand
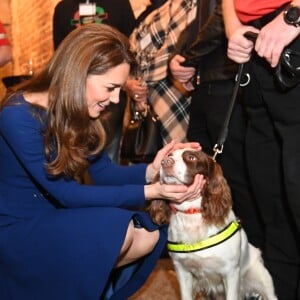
x=153, y=168
x=239, y=47
x=174, y=192
x=188, y=86
x=179, y=72
x=140, y=106
x=137, y=90
x=270, y=45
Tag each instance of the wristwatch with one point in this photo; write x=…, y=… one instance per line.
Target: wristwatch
x=291, y=15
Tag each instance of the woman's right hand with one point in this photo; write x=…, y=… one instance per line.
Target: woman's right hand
x=175, y=192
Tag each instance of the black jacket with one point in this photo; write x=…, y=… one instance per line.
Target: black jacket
x=208, y=52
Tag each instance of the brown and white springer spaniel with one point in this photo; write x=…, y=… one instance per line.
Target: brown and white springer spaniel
x=208, y=247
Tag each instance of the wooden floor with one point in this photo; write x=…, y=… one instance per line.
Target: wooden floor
x=162, y=284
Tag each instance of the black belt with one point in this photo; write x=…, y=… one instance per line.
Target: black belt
x=261, y=22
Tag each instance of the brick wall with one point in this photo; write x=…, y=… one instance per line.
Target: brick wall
x=5, y=17
x=31, y=33
x=29, y=25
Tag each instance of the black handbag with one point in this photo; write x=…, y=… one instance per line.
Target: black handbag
x=287, y=74
x=142, y=137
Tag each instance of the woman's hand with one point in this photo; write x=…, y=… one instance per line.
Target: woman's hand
x=174, y=192
x=181, y=73
x=153, y=168
x=137, y=90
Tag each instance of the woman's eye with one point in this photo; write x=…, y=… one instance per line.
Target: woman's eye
x=111, y=89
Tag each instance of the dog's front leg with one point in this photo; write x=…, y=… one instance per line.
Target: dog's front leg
x=232, y=285
x=185, y=280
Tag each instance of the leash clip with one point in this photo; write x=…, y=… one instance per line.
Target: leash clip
x=217, y=150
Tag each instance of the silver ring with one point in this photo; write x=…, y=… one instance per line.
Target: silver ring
x=246, y=77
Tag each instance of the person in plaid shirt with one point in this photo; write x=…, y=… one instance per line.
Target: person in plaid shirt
x=153, y=40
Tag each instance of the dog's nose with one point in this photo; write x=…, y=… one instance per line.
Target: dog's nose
x=167, y=162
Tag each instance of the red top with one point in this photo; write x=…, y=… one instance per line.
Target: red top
x=3, y=36
x=249, y=10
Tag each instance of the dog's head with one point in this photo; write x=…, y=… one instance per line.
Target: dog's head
x=180, y=167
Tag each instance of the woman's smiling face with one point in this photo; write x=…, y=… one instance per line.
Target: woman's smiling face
x=105, y=88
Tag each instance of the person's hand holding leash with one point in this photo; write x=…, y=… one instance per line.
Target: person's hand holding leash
x=239, y=46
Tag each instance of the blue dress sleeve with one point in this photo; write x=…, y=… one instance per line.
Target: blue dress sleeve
x=116, y=186
x=103, y=165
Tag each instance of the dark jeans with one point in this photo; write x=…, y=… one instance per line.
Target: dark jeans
x=208, y=110
x=273, y=158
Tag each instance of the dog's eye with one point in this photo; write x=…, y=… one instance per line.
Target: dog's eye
x=191, y=157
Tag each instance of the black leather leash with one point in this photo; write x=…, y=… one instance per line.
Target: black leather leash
x=219, y=146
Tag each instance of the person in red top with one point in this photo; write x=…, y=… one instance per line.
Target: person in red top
x=5, y=49
x=273, y=129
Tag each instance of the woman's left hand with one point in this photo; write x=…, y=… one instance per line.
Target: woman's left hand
x=153, y=168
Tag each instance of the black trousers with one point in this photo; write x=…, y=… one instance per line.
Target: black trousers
x=273, y=160
x=209, y=106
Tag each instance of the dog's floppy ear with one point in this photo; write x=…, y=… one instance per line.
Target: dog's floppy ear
x=158, y=210
x=216, y=195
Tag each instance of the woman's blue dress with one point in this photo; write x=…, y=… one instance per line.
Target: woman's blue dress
x=60, y=239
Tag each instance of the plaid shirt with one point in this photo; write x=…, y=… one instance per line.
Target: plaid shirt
x=153, y=41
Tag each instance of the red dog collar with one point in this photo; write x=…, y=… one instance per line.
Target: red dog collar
x=189, y=211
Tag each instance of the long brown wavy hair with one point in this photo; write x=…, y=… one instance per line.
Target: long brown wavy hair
x=71, y=136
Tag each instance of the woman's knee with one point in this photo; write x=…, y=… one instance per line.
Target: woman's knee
x=145, y=241
x=138, y=242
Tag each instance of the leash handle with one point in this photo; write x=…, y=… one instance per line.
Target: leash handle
x=251, y=36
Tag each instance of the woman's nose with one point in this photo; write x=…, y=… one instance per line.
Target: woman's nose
x=115, y=97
